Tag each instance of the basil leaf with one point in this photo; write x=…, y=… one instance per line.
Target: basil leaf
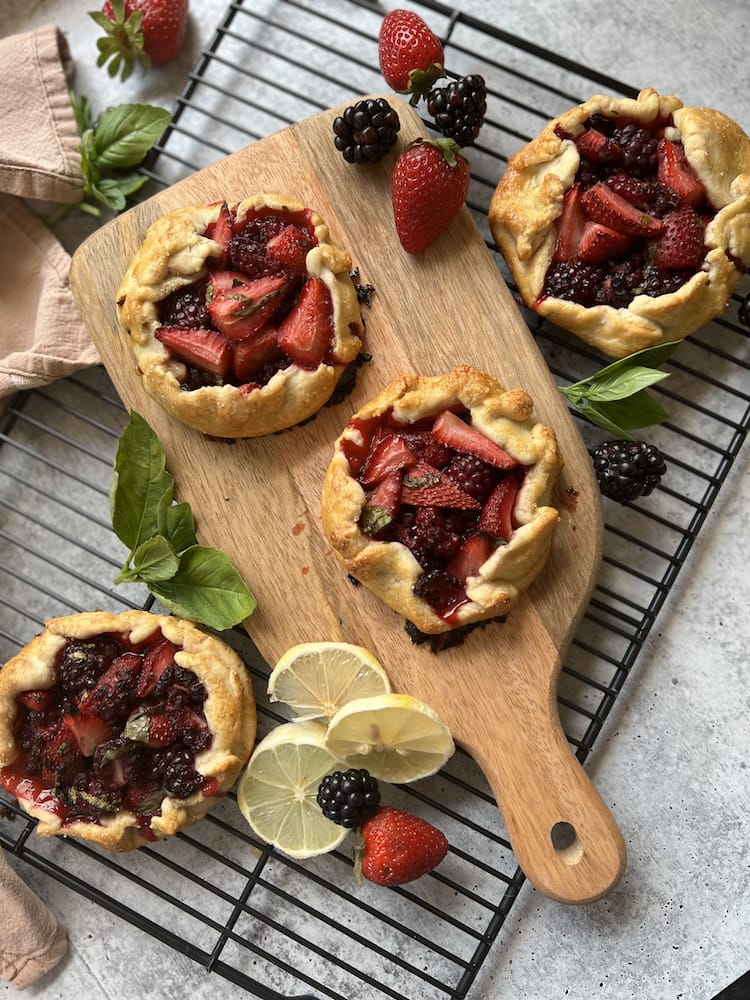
x=125, y=134
x=180, y=527
x=649, y=357
x=640, y=410
x=141, y=488
x=600, y=418
x=155, y=560
x=207, y=589
x=625, y=383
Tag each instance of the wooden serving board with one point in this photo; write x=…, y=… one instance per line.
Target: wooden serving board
x=259, y=499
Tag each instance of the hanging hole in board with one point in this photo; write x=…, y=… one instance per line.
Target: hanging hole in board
x=565, y=841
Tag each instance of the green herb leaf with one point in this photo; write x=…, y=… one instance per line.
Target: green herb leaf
x=180, y=527
x=615, y=397
x=141, y=488
x=206, y=588
x=124, y=134
x=373, y=519
x=155, y=560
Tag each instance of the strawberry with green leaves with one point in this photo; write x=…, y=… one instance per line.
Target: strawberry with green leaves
x=429, y=185
x=143, y=32
x=396, y=847
x=410, y=54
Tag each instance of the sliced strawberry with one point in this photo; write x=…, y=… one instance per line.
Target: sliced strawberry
x=221, y=232
x=390, y=455
x=161, y=732
x=155, y=662
x=600, y=243
x=289, y=247
x=604, y=205
x=249, y=356
x=497, y=516
x=425, y=486
x=454, y=432
x=681, y=245
x=382, y=505
x=596, y=147
x=569, y=226
x=88, y=731
x=676, y=173
x=204, y=349
x=421, y=443
x=241, y=309
x=474, y=552
x=36, y=700
x=113, y=690
x=305, y=334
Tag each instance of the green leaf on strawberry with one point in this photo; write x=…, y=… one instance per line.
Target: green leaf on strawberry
x=615, y=398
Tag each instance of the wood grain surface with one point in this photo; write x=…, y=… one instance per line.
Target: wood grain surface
x=259, y=500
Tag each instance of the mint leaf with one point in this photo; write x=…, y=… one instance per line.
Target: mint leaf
x=207, y=589
x=180, y=527
x=155, y=560
x=125, y=134
x=141, y=488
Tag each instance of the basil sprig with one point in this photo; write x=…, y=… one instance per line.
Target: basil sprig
x=110, y=147
x=616, y=397
x=194, y=581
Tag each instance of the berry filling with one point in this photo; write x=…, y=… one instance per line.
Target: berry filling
x=441, y=488
x=118, y=731
x=258, y=311
x=633, y=222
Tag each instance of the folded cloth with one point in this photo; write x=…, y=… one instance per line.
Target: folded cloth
x=42, y=336
x=31, y=940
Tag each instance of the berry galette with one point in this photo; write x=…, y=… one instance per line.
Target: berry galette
x=122, y=729
x=437, y=497
x=627, y=221
x=242, y=317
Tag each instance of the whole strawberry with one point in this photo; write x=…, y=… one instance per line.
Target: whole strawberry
x=429, y=185
x=397, y=847
x=146, y=32
x=411, y=55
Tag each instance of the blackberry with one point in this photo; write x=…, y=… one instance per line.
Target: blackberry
x=626, y=470
x=348, y=798
x=574, y=282
x=366, y=131
x=660, y=282
x=475, y=477
x=186, y=307
x=247, y=248
x=624, y=281
x=458, y=109
x=743, y=312
x=441, y=591
x=638, y=147
x=84, y=661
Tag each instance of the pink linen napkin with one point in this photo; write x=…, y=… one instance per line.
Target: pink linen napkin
x=31, y=940
x=42, y=336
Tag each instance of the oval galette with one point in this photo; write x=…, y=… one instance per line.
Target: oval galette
x=242, y=318
x=123, y=728
x=437, y=497
x=627, y=221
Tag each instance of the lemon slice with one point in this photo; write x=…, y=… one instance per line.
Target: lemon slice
x=276, y=793
x=394, y=736
x=316, y=678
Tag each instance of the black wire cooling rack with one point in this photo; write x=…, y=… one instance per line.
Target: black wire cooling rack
x=275, y=927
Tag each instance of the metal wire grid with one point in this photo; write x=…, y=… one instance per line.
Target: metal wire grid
x=273, y=926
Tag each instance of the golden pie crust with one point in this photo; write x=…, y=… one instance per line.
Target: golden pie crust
x=388, y=568
x=173, y=254
x=229, y=710
x=529, y=197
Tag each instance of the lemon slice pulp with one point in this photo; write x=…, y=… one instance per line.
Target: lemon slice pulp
x=277, y=791
x=317, y=678
x=396, y=737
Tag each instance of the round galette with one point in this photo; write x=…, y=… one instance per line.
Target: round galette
x=437, y=497
x=123, y=728
x=242, y=318
x=627, y=221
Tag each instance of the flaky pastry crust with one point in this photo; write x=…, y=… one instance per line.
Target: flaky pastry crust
x=529, y=197
x=229, y=710
x=388, y=568
x=173, y=254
